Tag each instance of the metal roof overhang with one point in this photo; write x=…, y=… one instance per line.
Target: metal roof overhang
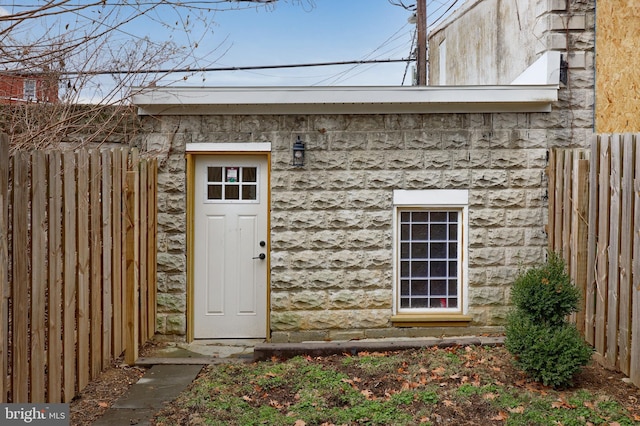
x=344, y=100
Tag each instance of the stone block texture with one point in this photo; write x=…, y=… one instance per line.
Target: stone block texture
x=331, y=220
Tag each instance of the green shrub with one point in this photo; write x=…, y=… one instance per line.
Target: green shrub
x=544, y=344
x=550, y=355
x=545, y=293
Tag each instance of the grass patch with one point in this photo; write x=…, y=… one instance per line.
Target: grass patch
x=429, y=386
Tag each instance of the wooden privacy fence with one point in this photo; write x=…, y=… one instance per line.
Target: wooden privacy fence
x=594, y=222
x=77, y=267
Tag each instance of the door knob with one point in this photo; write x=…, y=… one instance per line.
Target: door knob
x=261, y=256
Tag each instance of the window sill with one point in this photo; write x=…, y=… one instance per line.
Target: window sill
x=426, y=320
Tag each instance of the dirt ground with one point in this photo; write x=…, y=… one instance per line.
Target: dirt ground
x=103, y=392
x=111, y=384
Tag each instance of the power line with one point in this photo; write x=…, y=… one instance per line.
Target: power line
x=239, y=68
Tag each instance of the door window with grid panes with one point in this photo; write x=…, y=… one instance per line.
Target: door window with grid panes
x=430, y=251
x=231, y=184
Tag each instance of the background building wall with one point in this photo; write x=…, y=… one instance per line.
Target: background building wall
x=494, y=41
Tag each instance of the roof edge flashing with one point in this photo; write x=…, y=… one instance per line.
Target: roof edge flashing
x=546, y=70
x=345, y=100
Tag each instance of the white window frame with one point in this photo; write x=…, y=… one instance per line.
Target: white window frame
x=433, y=199
x=30, y=89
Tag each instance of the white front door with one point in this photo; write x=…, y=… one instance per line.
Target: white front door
x=230, y=246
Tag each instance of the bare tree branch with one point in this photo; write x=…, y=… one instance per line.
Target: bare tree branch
x=63, y=41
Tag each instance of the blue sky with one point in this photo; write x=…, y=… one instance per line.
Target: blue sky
x=283, y=32
x=333, y=30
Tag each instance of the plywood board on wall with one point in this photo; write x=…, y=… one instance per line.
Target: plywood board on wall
x=617, y=66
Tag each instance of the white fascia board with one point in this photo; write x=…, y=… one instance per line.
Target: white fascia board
x=344, y=100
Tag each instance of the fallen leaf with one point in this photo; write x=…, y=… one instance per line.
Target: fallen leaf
x=438, y=371
x=562, y=403
x=103, y=404
x=409, y=385
x=275, y=404
x=300, y=423
x=448, y=403
x=367, y=393
x=490, y=396
x=516, y=410
x=502, y=416
x=247, y=398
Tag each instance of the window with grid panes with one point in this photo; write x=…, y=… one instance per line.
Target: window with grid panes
x=29, y=92
x=429, y=259
x=430, y=251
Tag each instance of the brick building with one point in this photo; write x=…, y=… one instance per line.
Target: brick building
x=22, y=88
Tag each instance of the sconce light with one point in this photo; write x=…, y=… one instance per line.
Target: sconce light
x=297, y=153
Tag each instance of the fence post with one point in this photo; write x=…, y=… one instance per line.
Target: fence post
x=551, y=197
x=142, y=247
x=603, y=246
x=151, y=252
x=590, y=293
x=95, y=178
x=117, y=214
x=20, y=252
x=613, y=285
x=567, y=210
x=559, y=192
x=38, y=275
x=107, y=261
x=131, y=285
x=54, y=382
x=579, y=230
x=84, y=276
x=4, y=262
x=634, y=368
x=626, y=252
x=70, y=268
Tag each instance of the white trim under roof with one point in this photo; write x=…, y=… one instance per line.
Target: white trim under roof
x=344, y=100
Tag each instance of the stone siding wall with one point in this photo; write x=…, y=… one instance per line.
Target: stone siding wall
x=331, y=236
x=331, y=221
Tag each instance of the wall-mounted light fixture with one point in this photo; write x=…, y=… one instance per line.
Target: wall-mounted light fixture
x=297, y=153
